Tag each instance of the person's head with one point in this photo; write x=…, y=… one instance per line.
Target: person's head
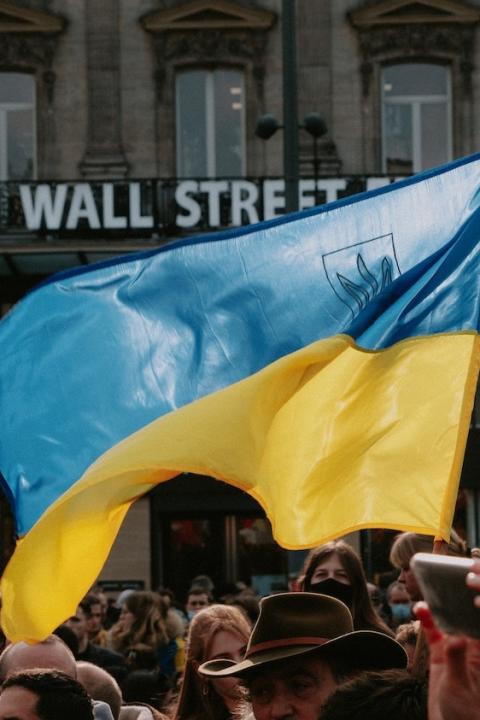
x=218, y=631
x=167, y=596
x=399, y=602
x=141, y=621
x=249, y=605
x=92, y=608
x=296, y=688
x=78, y=623
x=50, y=653
x=335, y=569
x=100, y=685
x=404, y=548
x=44, y=695
x=302, y=646
x=103, y=600
x=70, y=639
x=197, y=599
x=394, y=694
x=148, y=686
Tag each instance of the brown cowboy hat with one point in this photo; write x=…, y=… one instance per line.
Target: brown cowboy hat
x=296, y=623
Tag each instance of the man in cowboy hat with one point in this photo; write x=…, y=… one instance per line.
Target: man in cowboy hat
x=302, y=647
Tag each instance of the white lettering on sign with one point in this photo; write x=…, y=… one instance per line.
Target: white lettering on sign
x=214, y=188
x=306, y=194
x=199, y=202
x=186, y=202
x=110, y=220
x=273, y=198
x=82, y=206
x=137, y=220
x=244, y=197
x=331, y=187
x=38, y=203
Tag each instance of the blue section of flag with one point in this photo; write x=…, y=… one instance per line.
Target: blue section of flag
x=92, y=356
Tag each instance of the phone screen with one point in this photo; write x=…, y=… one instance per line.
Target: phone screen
x=442, y=580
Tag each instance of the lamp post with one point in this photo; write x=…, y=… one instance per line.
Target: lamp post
x=313, y=123
x=290, y=118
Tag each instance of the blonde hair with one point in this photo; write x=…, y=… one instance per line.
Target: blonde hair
x=148, y=627
x=407, y=544
x=198, y=699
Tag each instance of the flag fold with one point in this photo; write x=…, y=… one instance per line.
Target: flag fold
x=325, y=363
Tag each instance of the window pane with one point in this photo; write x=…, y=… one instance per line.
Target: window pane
x=434, y=134
x=16, y=88
x=415, y=79
x=398, y=139
x=262, y=563
x=20, y=144
x=229, y=109
x=193, y=547
x=191, y=124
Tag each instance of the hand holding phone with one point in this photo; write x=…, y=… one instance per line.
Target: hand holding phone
x=443, y=582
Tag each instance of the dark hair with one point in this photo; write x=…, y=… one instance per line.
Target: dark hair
x=392, y=694
x=147, y=686
x=66, y=634
x=364, y=615
x=59, y=696
x=198, y=590
x=88, y=601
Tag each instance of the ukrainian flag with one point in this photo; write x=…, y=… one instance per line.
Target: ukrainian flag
x=325, y=363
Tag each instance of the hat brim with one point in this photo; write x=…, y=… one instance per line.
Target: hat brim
x=364, y=649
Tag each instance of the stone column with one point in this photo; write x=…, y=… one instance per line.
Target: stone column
x=104, y=155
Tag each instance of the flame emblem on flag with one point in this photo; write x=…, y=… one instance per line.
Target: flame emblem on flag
x=358, y=273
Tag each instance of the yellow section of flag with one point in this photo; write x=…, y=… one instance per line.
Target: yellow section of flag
x=330, y=439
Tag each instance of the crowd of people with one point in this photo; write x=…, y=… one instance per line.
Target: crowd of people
x=334, y=647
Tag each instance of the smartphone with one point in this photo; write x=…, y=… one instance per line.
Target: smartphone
x=442, y=580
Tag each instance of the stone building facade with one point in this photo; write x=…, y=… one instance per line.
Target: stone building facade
x=145, y=112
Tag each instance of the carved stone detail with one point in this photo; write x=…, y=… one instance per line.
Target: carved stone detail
x=378, y=44
x=31, y=52
x=28, y=51
x=209, y=47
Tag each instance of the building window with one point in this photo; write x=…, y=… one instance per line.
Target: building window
x=17, y=127
x=416, y=117
x=210, y=123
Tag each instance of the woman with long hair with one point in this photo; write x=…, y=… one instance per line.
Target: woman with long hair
x=140, y=624
x=335, y=569
x=219, y=631
x=407, y=544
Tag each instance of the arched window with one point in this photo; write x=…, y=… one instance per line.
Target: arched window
x=17, y=126
x=416, y=117
x=210, y=123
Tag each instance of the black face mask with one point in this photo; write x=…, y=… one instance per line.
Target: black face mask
x=335, y=589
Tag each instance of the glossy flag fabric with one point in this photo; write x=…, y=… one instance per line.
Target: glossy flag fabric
x=324, y=362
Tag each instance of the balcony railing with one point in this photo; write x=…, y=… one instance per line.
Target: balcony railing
x=157, y=208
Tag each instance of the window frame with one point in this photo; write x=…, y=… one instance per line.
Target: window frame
x=5, y=108
x=210, y=124
x=416, y=102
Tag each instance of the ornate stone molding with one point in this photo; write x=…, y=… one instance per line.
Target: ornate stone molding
x=28, y=41
x=380, y=44
x=14, y=19
x=202, y=14
x=402, y=29
x=210, y=47
x=208, y=33
x=413, y=12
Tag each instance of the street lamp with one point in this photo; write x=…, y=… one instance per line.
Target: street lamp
x=267, y=125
